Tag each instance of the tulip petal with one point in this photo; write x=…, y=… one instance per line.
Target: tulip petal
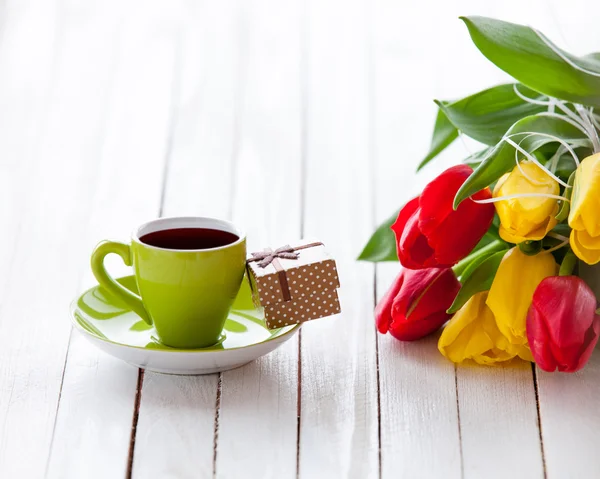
x=412, y=247
x=383, y=310
x=429, y=233
x=530, y=217
x=416, y=284
x=414, y=251
x=438, y=296
x=562, y=325
x=453, y=234
x=512, y=290
x=588, y=241
x=539, y=340
x=512, y=235
x=438, y=197
x=405, y=330
x=456, y=237
x=404, y=215
x=425, y=292
x=577, y=240
x=585, y=200
x=473, y=334
x=589, y=344
x=420, y=306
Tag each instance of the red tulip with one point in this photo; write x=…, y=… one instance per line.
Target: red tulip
x=416, y=304
x=562, y=324
x=430, y=233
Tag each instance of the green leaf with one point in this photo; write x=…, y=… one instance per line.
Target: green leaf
x=478, y=156
x=479, y=279
x=490, y=236
x=474, y=264
x=485, y=116
x=565, y=206
x=502, y=158
x=382, y=245
x=566, y=164
x=530, y=247
x=444, y=133
x=539, y=64
x=483, y=249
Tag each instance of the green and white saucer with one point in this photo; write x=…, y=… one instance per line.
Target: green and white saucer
x=108, y=324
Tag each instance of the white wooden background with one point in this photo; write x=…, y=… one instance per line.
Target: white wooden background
x=293, y=118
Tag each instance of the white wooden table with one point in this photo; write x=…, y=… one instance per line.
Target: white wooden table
x=294, y=118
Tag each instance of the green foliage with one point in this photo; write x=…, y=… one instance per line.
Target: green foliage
x=490, y=116
x=533, y=60
x=444, y=133
x=502, y=158
x=565, y=207
x=477, y=277
x=485, y=116
x=382, y=245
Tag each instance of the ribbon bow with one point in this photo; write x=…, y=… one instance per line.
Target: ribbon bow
x=265, y=258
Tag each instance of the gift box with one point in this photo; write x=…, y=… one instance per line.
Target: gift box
x=294, y=283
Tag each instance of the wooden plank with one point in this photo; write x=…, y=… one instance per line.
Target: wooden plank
x=338, y=428
x=498, y=419
x=206, y=146
x=501, y=398
x=134, y=71
x=418, y=401
x=568, y=403
x=258, y=408
x=569, y=420
x=420, y=395
x=49, y=127
x=180, y=411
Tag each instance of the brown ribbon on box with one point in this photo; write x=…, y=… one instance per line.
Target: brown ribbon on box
x=269, y=256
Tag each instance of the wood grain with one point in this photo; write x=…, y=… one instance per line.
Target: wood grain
x=97, y=402
x=180, y=410
x=258, y=414
x=419, y=414
x=568, y=403
x=48, y=143
x=421, y=394
x=338, y=424
x=293, y=119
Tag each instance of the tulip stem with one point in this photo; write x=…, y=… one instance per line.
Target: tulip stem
x=568, y=264
x=494, y=246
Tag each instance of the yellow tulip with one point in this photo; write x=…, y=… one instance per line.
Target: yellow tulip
x=526, y=218
x=473, y=334
x=512, y=290
x=584, y=216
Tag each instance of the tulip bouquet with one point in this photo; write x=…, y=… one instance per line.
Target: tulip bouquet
x=491, y=246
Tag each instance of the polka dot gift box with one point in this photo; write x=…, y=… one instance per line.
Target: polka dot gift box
x=294, y=283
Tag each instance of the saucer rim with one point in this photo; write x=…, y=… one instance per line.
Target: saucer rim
x=73, y=307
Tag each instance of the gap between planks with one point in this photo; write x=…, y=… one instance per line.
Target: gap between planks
x=60, y=390
x=216, y=430
x=377, y=374
x=134, y=421
x=539, y=417
x=304, y=105
x=372, y=161
x=460, y=442
x=238, y=104
x=176, y=82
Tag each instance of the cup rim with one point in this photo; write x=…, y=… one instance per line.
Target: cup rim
x=217, y=223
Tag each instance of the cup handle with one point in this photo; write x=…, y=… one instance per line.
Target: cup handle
x=105, y=280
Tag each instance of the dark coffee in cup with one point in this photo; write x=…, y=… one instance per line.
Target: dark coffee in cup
x=189, y=238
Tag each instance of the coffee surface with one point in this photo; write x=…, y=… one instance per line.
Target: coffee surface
x=189, y=238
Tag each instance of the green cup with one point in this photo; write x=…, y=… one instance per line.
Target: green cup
x=185, y=293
